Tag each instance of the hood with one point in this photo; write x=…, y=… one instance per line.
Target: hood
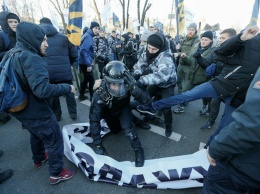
x=4, y=25
x=30, y=36
x=50, y=30
x=126, y=37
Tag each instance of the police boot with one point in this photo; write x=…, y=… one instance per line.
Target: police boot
x=168, y=130
x=139, y=157
x=4, y=117
x=99, y=149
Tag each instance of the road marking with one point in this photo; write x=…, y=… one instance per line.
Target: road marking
x=201, y=145
x=161, y=131
x=86, y=102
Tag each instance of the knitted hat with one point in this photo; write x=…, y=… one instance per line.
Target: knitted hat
x=159, y=26
x=193, y=25
x=207, y=34
x=12, y=16
x=45, y=21
x=101, y=29
x=155, y=40
x=145, y=35
x=93, y=25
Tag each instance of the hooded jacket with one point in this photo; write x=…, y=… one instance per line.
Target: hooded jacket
x=9, y=32
x=86, y=51
x=33, y=74
x=59, y=55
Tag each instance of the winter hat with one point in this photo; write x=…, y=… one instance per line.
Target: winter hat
x=145, y=35
x=128, y=33
x=45, y=21
x=207, y=34
x=101, y=29
x=193, y=25
x=126, y=37
x=155, y=40
x=12, y=16
x=93, y=25
x=159, y=26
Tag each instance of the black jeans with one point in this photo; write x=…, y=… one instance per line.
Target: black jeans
x=46, y=134
x=88, y=79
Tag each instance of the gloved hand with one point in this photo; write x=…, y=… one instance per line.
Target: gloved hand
x=136, y=76
x=130, y=80
x=101, y=58
x=196, y=55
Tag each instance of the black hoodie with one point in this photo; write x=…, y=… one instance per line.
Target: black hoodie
x=33, y=68
x=9, y=32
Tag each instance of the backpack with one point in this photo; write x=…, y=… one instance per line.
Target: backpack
x=12, y=97
x=6, y=39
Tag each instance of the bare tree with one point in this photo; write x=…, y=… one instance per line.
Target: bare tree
x=59, y=5
x=95, y=8
x=146, y=7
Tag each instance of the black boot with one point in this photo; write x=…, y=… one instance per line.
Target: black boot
x=99, y=149
x=5, y=175
x=139, y=157
x=168, y=130
x=4, y=117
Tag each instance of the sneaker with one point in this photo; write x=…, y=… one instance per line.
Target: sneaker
x=82, y=97
x=147, y=109
x=207, y=126
x=178, y=110
x=206, y=114
x=63, y=176
x=5, y=175
x=204, y=109
x=40, y=164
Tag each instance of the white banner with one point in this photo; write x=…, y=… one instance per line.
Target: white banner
x=176, y=172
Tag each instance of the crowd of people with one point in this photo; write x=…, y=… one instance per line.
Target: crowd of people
x=140, y=73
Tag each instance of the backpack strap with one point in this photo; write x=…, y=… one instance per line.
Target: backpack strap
x=6, y=39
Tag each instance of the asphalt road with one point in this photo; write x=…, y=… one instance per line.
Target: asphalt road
x=16, y=145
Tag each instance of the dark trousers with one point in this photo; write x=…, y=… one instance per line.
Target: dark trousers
x=70, y=100
x=154, y=91
x=119, y=121
x=46, y=134
x=214, y=109
x=222, y=179
x=88, y=79
x=101, y=66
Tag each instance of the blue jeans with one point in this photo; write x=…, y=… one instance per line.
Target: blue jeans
x=205, y=90
x=222, y=178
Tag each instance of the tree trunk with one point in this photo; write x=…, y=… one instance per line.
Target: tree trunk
x=145, y=9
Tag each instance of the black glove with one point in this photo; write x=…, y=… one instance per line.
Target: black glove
x=136, y=76
x=196, y=55
x=130, y=80
x=101, y=58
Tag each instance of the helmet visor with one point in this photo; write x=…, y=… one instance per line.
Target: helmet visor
x=116, y=87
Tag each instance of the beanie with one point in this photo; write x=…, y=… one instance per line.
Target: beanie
x=101, y=29
x=45, y=21
x=93, y=25
x=145, y=35
x=193, y=25
x=207, y=34
x=12, y=16
x=155, y=40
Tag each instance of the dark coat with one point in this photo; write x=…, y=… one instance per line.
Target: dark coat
x=34, y=70
x=240, y=68
x=239, y=142
x=60, y=54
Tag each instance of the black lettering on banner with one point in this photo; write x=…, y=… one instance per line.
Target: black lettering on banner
x=106, y=169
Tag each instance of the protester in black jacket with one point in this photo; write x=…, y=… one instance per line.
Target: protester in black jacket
x=8, y=23
x=37, y=116
x=234, y=153
x=61, y=54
